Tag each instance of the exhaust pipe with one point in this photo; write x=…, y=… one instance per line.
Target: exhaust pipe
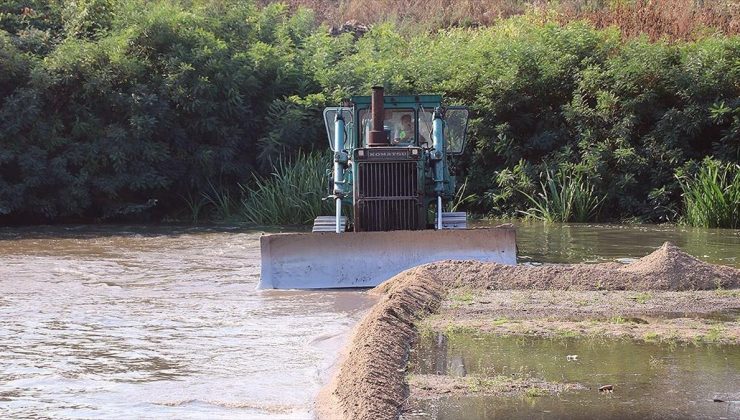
x=377, y=131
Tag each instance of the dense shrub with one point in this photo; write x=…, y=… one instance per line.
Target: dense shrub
x=142, y=100
x=106, y=105
x=545, y=96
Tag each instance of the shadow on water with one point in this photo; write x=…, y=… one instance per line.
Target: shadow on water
x=649, y=380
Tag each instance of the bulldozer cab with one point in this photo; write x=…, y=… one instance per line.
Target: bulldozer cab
x=407, y=122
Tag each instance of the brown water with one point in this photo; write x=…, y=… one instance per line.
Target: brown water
x=144, y=322
x=649, y=380
x=153, y=323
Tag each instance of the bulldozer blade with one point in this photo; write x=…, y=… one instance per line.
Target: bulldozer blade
x=323, y=260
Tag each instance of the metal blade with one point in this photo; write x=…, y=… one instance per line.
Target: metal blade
x=366, y=259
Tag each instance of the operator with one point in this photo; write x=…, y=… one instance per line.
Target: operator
x=406, y=133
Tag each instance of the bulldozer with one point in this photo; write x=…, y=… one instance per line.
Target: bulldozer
x=390, y=180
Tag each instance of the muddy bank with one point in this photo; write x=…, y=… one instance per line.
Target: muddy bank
x=370, y=382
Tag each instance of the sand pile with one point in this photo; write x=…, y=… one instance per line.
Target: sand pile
x=667, y=268
x=370, y=381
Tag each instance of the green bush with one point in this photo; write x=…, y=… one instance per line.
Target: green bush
x=106, y=104
x=142, y=100
x=712, y=197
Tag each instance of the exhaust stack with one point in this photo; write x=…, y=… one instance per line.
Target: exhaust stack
x=377, y=131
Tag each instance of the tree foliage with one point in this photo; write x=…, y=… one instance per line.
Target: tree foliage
x=108, y=104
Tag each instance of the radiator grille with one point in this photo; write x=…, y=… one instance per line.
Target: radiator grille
x=388, y=197
x=388, y=180
x=383, y=215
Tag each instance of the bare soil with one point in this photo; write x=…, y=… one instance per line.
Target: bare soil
x=550, y=299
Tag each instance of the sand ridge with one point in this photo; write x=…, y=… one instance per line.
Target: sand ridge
x=667, y=268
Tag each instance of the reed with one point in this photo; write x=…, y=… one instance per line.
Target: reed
x=292, y=195
x=195, y=204
x=219, y=198
x=711, y=198
x=565, y=196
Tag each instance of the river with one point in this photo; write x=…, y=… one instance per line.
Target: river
x=166, y=322
x=143, y=322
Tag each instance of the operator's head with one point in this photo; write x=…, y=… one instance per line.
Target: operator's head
x=406, y=120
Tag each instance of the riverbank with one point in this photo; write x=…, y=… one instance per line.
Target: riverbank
x=566, y=300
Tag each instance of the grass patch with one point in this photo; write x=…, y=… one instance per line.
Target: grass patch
x=734, y=293
x=617, y=320
x=500, y=321
x=642, y=298
x=425, y=331
x=487, y=384
x=651, y=336
x=536, y=392
x=711, y=198
x=466, y=297
x=565, y=333
x=714, y=334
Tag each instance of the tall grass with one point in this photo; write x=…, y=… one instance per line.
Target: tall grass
x=195, y=204
x=711, y=198
x=216, y=202
x=291, y=195
x=460, y=199
x=566, y=196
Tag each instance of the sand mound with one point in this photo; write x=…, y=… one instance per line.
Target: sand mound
x=667, y=268
x=672, y=269
x=370, y=380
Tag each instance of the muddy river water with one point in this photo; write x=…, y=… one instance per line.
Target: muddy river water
x=152, y=323
x=166, y=322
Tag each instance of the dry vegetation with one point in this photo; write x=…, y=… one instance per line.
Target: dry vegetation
x=676, y=19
